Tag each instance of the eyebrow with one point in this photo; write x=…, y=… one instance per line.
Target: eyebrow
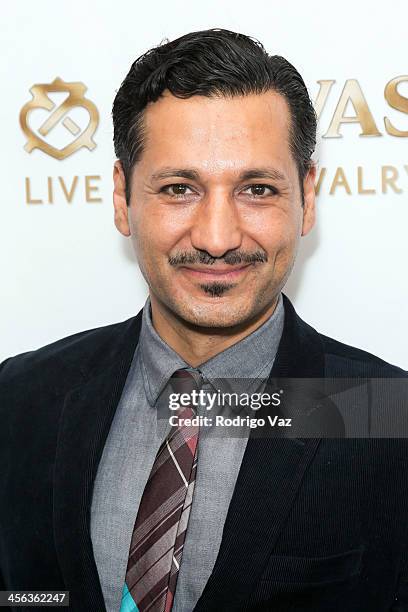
x=269, y=172
x=252, y=173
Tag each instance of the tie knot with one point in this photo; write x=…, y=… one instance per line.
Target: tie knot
x=185, y=383
x=185, y=380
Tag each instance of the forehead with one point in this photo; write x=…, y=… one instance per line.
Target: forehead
x=218, y=133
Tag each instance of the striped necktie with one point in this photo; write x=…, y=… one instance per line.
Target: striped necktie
x=158, y=535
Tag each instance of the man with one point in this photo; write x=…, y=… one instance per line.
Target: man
x=214, y=184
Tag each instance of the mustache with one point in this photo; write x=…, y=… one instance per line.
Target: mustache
x=230, y=258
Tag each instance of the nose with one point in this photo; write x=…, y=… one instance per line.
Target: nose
x=216, y=226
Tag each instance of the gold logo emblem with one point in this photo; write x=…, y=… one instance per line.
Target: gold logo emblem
x=75, y=99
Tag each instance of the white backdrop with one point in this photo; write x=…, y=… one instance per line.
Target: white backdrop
x=65, y=268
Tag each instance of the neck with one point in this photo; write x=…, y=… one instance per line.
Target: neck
x=198, y=344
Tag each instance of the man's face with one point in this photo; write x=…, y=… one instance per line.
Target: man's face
x=215, y=213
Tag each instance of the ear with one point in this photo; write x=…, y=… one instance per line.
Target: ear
x=119, y=199
x=309, y=212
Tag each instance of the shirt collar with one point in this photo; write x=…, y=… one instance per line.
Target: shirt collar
x=250, y=358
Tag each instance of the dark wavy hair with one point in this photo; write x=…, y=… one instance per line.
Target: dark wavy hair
x=213, y=62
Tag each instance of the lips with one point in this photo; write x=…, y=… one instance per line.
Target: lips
x=208, y=274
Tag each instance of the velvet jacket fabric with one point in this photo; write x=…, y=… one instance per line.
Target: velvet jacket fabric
x=315, y=524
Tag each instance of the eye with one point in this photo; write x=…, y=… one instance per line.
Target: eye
x=176, y=190
x=261, y=191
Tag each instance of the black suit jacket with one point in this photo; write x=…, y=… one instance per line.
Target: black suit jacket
x=314, y=524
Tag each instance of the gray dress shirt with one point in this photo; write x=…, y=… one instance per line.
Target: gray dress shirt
x=134, y=439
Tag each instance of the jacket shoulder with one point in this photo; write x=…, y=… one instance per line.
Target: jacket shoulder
x=66, y=361
x=345, y=360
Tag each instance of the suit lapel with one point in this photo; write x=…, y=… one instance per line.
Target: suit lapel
x=85, y=422
x=270, y=475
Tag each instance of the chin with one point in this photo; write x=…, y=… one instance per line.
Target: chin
x=216, y=315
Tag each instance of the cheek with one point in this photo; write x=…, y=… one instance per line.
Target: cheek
x=156, y=230
x=275, y=233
